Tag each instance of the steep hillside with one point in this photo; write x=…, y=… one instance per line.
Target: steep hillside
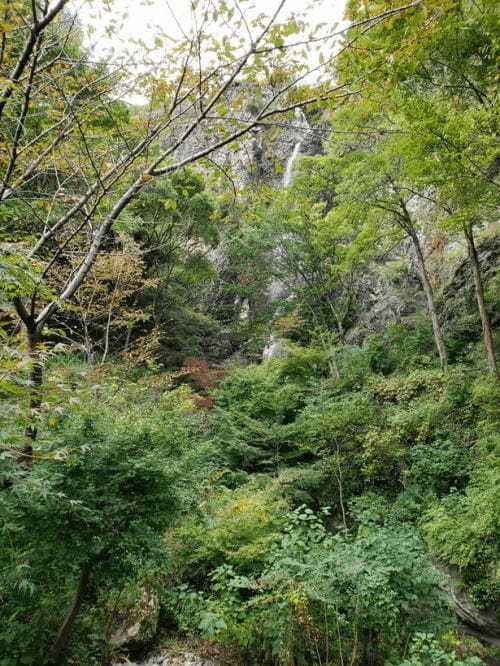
x=250, y=331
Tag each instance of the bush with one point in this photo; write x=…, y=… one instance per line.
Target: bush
x=251, y=425
x=236, y=527
x=93, y=508
x=425, y=650
x=319, y=593
x=439, y=466
x=463, y=530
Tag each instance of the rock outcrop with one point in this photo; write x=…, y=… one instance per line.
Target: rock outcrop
x=474, y=621
x=167, y=658
x=135, y=620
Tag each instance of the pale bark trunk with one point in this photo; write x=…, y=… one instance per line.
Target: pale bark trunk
x=483, y=312
x=87, y=341
x=127, y=339
x=106, y=335
x=333, y=365
x=338, y=475
x=431, y=305
x=25, y=458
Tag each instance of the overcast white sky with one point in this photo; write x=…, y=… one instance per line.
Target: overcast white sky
x=118, y=24
x=142, y=19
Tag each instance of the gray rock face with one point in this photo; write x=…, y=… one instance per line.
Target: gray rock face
x=275, y=348
x=268, y=155
x=136, y=621
x=261, y=156
x=475, y=621
x=167, y=658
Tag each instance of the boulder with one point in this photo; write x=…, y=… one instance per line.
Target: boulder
x=135, y=620
x=168, y=658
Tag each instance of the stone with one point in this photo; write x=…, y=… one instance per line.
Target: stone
x=274, y=349
x=135, y=620
x=168, y=658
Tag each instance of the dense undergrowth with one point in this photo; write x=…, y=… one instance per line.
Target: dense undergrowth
x=337, y=504
x=298, y=519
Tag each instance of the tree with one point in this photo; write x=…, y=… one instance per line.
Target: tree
x=432, y=75
x=454, y=164
x=106, y=305
x=57, y=106
x=176, y=222
x=311, y=264
x=373, y=195
x=90, y=516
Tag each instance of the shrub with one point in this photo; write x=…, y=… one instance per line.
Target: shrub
x=319, y=593
x=92, y=510
x=236, y=527
x=251, y=425
x=439, y=466
x=463, y=530
x=425, y=650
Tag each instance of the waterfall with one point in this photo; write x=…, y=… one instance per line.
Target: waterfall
x=287, y=176
x=244, y=311
x=275, y=348
x=303, y=126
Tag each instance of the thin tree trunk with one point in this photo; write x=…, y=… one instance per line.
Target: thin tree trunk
x=338, y=474
x=332, y=357
x=25, y=458
x=127, y=339
x=110, y=314
x=87, y=341
x=431, y=306
x=59, y=646
x=106, y=334
x=485, y=318
x=333, y=366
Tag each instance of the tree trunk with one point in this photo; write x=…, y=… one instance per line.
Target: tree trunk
x=25, y=458
x=431, y=306
x=59, y=646
x=127, y=339
x=87, y=342
x=338, y=475
x=478, y=286
x=333, y=365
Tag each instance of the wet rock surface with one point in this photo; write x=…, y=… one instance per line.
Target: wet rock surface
x=136, y=620
x=168, y=658
x=193, y=652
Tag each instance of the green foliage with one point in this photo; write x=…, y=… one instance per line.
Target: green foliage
x=401, y=389
x=425, y=650
x=251, y=427
x=293, y=511
x=463, y=530
x=176, y=221
x=314, y=585
x=302, y=366
x=438, y=466
x=88, y=504
x=231, y=527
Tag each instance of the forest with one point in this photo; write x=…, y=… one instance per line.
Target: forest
x=249, y=330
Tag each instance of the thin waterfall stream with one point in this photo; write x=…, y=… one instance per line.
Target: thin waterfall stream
x=275, y=347
x=303, y=127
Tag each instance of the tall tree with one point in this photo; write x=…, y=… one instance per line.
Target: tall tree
x=455, y=163
x=430, y=76
x=374, y=197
